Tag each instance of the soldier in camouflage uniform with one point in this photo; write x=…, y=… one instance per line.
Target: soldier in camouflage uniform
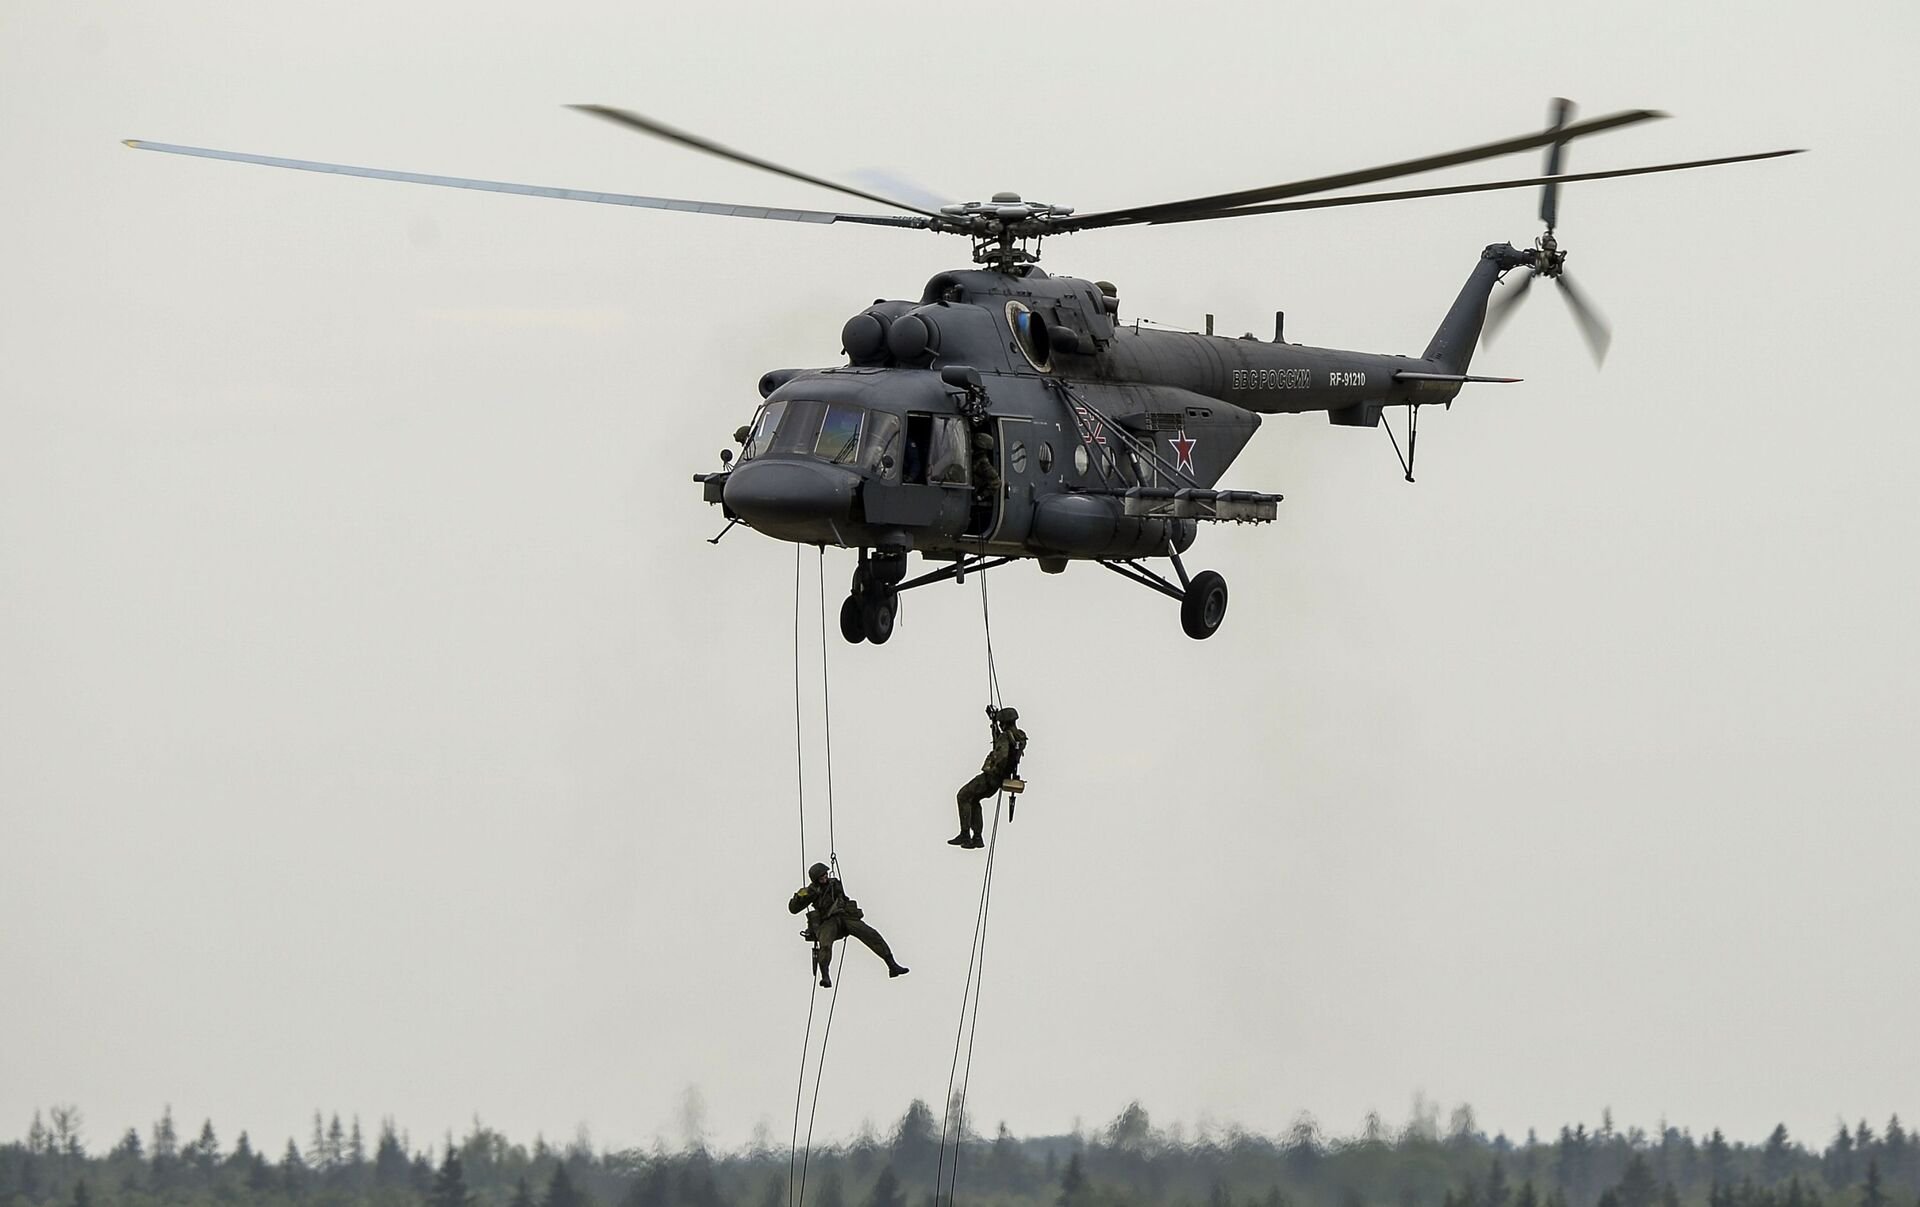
x=1009, y=743
x=832, y=915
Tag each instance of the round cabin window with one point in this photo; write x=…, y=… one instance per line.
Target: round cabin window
x=1080, y=458
x=1017, y=457
x=1046, y=458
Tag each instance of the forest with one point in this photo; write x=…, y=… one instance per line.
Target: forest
x=1126, y=1162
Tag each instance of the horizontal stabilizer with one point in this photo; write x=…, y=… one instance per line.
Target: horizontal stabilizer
x=1405, y=375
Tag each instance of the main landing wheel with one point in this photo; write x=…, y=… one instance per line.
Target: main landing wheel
x=850, y=624
x=876, y=616
x=1205, y=605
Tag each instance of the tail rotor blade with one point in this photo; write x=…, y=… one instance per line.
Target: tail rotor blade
x=1592, y=326
x=1558, y=115
x=1501, y=308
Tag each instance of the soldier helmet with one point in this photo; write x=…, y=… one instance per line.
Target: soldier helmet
x=818, y=872
x=1009, y=715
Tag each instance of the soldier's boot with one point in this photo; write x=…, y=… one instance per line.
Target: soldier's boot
x=897, y=969
x=961, y=839
x=824, y=961
x=974, y=820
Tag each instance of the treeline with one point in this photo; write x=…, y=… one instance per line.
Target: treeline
x=1129, y=1162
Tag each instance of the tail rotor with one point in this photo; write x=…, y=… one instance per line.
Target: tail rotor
x=1548, y=260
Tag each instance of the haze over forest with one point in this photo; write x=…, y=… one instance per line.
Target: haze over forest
x=1127, y=1161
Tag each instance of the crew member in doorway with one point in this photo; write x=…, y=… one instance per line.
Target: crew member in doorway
x=1002, y=764
x=831, y=916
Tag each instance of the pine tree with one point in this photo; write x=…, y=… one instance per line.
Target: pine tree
x=1777, y=1156
x=390, y=1164
x=1497, y=1189
x=129, y=1148
x=1527, y=1197
x=166, y=1149
x=1637, y=1187
x=65, y=1139
x=1073, y=1184
x=1871, y=1194
x=1837, y=1162
x=560, y=1189
x=204, y=1152
x=886, y=1190
x=1719, y=1157
x=450, y=1185
x=915, y=1141
x=81, y=1196
x=522, y=1193
x=293, y=1170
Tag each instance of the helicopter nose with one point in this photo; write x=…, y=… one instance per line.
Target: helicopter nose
x=773, y=494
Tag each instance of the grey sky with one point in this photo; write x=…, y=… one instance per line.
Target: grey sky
x=377, y=732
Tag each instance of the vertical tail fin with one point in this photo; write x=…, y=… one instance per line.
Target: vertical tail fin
x=1451, y=348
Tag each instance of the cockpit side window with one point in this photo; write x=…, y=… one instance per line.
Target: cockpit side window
x=839, y=438
x=764, y=425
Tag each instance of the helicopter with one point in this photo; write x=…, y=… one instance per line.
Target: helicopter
x=1010, y=414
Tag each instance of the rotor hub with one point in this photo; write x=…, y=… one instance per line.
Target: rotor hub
x=1006, y=231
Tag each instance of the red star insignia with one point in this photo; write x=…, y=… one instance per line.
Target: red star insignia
x=1182, y=451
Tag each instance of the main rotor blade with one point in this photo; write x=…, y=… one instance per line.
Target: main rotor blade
x=1221, y=201
x=1502, y=307
x=1550, y=195
x=1592, y=326
x=647, y=125
x=1318, y=203
x=536, y=190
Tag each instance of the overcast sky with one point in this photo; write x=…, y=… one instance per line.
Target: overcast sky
x=379, y=734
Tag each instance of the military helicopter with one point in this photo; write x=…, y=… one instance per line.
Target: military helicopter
x=1009, y=414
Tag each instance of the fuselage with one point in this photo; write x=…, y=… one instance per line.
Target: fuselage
x=1071, y=409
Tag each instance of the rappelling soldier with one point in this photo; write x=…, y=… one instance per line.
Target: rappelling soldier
x=832, y=915
x=1002, y=764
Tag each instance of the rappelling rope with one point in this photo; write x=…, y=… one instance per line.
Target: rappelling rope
x=798, y=1154
x=954, y=1120
x=806, y=1153
x=826, y=714
x=799, y=743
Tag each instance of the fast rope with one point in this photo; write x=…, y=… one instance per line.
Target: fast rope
x=954, y=1120
x=799, y=743
x=799, y=1198
x=797, y=1154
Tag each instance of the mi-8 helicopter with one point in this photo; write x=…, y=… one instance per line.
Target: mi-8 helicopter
x=1010, y=414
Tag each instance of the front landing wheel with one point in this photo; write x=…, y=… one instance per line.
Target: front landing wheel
x=876, y=616
x=850, y=625
x=1205, y=605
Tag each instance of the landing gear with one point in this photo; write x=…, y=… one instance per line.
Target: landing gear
x=850, y=624
x=1205, y=605
x=876, y=615
x=868, y=615
x=869, y=610
x=1203, y=598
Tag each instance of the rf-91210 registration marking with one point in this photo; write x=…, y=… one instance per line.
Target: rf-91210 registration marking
x=1344, y=377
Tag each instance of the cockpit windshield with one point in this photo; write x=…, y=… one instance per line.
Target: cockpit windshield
x=828, y=431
